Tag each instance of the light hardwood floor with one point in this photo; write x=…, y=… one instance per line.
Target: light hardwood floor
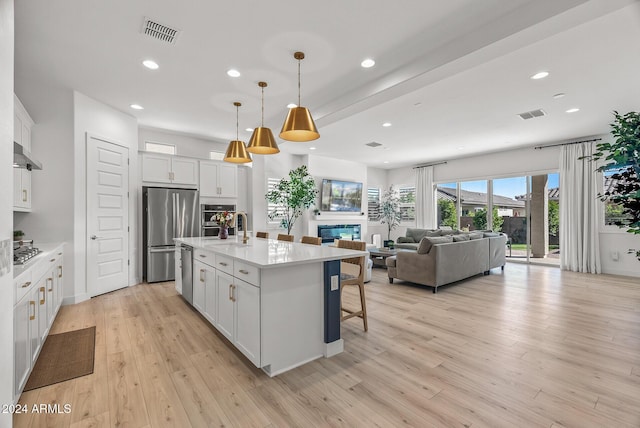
x=533, y=347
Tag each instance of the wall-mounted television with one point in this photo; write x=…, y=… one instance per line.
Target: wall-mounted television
x=341, y=196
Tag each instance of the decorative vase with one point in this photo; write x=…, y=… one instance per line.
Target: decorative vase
x=224, y=232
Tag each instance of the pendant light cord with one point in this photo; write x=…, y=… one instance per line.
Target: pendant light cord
x=262, y=87
x=298, y=83
x=237, y=113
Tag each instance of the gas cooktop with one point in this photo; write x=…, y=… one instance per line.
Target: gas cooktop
x=24, y=253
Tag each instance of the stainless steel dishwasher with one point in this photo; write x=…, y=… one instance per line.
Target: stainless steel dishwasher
x=186, y=254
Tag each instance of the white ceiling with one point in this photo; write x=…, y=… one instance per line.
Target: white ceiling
x=466, y=62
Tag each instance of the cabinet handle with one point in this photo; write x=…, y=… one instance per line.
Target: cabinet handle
x=222, y=263
x=32, y=304
x=42, y=291
x=51, y=281
x=202, y=255
x=26, y=284
x=233, y=287
x=60, y=271
x=246, y=272
x=24, y=195
x=52, y=260
x=201, y=275
x=59, y=254
x=230, y=292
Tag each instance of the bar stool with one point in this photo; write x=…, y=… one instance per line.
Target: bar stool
x=311, y=240
x=283, y=237
x=352, y=273
x=262, y=235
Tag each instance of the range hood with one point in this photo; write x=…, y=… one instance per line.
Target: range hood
x=22, y=158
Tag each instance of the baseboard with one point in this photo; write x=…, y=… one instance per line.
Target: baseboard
x=72, y=300
x=333, y=348
x=621, y=272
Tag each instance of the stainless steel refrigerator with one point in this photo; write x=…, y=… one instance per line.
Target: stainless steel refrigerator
x=167, y=214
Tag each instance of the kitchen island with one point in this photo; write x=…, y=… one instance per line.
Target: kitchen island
x=277, y=302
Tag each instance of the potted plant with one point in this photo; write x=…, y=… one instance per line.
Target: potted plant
x=623, y=157
x=18, y=235
x=390, y=213
x=292, y=196
x=225, y=221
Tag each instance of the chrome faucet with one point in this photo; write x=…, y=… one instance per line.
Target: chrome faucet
x=245, y=238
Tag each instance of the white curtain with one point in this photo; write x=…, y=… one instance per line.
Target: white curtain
x=425, y=198
x=579, y=210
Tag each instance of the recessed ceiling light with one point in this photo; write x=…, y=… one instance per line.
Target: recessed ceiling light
x=559, y=95
x=573, y=110
x=136, y=107
x=312, y=148
x=385, y=162
x=461, y=148
x=233, y=73
x=386, y=124
x=368, y=63
x=248, y=129
x=151, y=65
x=292, y=105
x=540, y=75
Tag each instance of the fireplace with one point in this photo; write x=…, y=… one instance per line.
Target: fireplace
x=330, y=232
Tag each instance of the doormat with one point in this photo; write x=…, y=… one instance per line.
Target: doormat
x=63, y=357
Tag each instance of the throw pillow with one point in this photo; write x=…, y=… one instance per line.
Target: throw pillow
x=445, y=232
x=405, y=240
x=476, y=235
x=461, y=237
x=429, y=241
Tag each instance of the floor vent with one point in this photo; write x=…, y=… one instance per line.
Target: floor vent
x=373, y=144
x=160, y=32
x=531, y=114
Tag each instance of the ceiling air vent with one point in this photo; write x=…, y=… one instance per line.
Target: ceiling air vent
x=159, y=31
x=373, y=144
x=531, y=114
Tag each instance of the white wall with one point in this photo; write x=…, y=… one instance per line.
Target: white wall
x=376, y=177
x=186, y=145
x=95, y=118
x=6, y=204
x=322, y=167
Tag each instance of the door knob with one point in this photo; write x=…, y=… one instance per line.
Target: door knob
x=94, y=237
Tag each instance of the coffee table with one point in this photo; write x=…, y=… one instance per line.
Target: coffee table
x=379, y=256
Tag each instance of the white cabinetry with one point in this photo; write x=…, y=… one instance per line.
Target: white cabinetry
x=246, y=299
x=158, y=168
x=37, y=296
x=22, y=124
x=204, y=289
x=21, y=189
x=199, y=279
x=218, y=180
x=224, y=287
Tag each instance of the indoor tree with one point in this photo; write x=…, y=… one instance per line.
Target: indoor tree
x=390, y=210
x=292, y=196
x=623, y=157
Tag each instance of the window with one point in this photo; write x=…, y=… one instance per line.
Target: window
x=169, y=149
x=408, y=203
x=216, y=155
x=373, y=206
x=613, y=212
x=447, y=205
x=271, y=207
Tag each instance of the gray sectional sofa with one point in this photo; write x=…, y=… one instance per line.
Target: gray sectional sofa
x=446, y=258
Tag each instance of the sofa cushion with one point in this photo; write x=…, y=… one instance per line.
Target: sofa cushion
x=445, y=232
x=476, y=235
x=407, y=245
x=429, y=241
x=491, y=234
x=405, y=240
x=418, y=234
x=461, y=237
x=390, y=261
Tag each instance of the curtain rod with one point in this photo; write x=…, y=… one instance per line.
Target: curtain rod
x=567, y=144
x=430, y=164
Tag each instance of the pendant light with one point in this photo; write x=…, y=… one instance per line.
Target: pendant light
x=299, y=126
x=237, y=151
x=262, y=141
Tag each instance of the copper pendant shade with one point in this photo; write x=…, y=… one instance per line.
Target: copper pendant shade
x=262, y=141
x=299, y=125
x=237, y=151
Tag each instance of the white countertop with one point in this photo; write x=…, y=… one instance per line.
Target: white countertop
x=268, y=253
x=45, y=252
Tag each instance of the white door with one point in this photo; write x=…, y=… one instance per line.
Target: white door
x=247, y=325
x=226, y=306
x=107, y=216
